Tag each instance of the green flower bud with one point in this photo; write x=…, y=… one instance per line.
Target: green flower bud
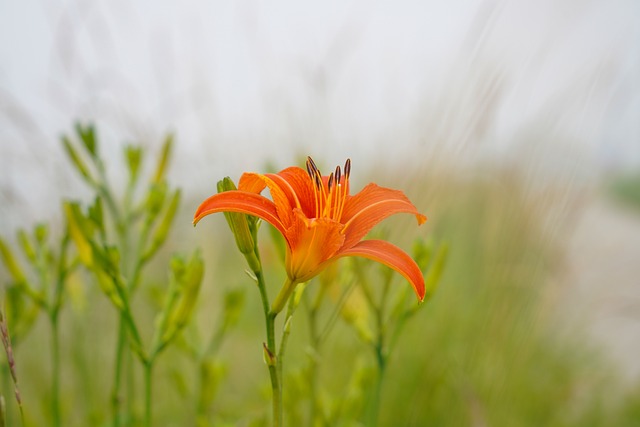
x=79, y=233
x=134, y=159
x=156, y=197
x=162, y=231
x=87, y=135
x=165, y=155
x=96, y=214
x=242, y=227
x=77, y=160
x=11, y=263
x=41, y=233
x=27, y=247
x=191, y=281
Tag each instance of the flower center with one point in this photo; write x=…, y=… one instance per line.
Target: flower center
x=330, y=192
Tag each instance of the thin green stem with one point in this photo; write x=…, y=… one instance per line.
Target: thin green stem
x=54, y=312
x=374, y=403
x=116, y=399
x=55, y=361
x=148, y=375
x=274, y=372
x=313, y=364
x=270, y=350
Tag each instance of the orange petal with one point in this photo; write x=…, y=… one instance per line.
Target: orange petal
x=298, y=182
x=243, y=202
x=370, y=206
x=255, y=183
x=312, y=243
x=393, y=257
x=250, y=181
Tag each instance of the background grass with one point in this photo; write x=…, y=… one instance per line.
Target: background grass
x=490, y=349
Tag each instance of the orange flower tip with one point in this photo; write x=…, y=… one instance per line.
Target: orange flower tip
x=421, y=219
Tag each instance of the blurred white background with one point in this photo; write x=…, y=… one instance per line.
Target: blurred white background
x=554, y=83
x=551, y=86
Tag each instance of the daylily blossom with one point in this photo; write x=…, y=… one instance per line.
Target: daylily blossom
x=320, y=221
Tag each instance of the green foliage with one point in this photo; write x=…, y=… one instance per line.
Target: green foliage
x=626, y=189
x=482, y=350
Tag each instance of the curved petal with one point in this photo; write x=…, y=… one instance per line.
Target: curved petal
x=242, y=202
x=312, y=242
x=250, y=181
x=391, y=256
x=299, y=183
x=255, y=183
x=370, y=206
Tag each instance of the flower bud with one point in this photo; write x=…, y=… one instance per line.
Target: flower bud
x=134, y=159
x=27, y=247
x=160, y=234
x=87, y=135
x=77, y=160
x=244, y=228
x=79, y=233
x=164, y=160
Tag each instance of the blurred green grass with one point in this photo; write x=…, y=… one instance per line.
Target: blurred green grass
x=486, y=351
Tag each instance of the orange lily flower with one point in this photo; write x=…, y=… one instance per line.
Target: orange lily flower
x=320, y=220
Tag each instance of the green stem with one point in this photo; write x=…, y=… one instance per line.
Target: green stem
x=54, y=312
x=148, y=371
x=374, y=403
x=270, y=319
x=116, y=399
x=313, y=366
x=274, y=372
x=55, y=361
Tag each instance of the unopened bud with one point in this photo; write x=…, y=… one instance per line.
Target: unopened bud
x=164, y=159
x=77, y=160
x=160, y=235
x=79, y=233
x=11, y=263
x=238, y=223
x=27, y=247
x=87, y=135
x=134, y=158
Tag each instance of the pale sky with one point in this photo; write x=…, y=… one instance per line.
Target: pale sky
x=248, y=81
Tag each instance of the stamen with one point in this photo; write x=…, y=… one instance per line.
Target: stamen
x=345, y=190
x=330, y=198
x=309, y=169
x=313, y=165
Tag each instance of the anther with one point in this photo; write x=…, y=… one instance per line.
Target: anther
x=347, y=168
x=313, y=164
x=330, y=182
x=338, y=175
x=310, y=170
